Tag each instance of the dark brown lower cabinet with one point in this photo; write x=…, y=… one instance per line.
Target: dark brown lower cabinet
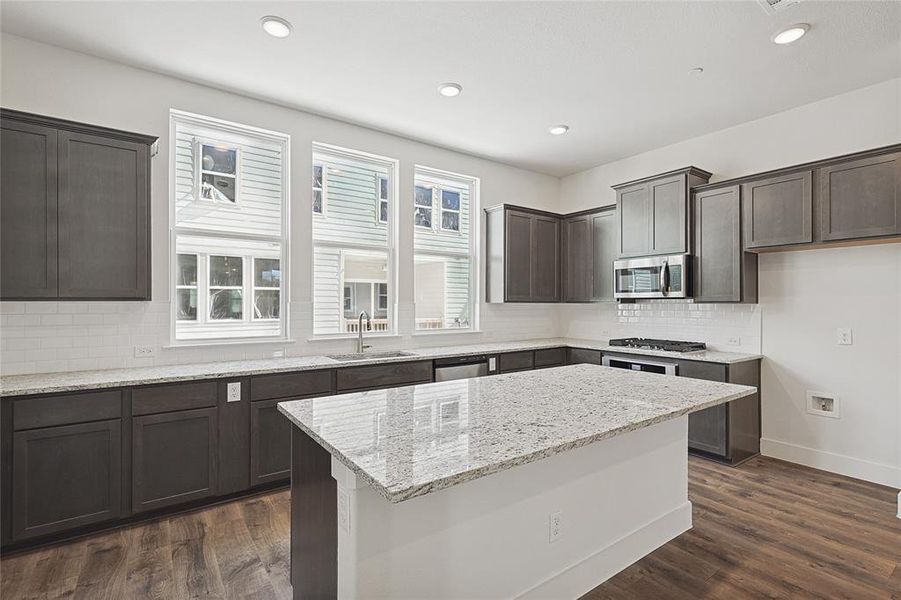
x=174, y=458
x=270, y=443
x=584, y=356
x=65, y=477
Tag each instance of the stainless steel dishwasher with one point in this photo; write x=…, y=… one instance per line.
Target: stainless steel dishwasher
x=464, y=367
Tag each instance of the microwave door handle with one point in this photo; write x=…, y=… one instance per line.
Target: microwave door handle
x=664, y=277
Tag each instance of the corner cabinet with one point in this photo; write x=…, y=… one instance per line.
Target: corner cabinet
x=75, y=208
x=722, y=270
x=653, y=212
x=523, y=262
x=589, y=248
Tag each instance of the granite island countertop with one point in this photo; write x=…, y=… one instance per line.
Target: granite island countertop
x=410, y=441
x=50, y=383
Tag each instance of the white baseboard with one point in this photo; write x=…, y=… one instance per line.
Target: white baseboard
x=587, y=574
x=874, y=472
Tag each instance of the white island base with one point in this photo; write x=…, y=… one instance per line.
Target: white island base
x=618, y=500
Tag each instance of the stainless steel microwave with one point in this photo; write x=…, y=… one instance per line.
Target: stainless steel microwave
x=653, y=277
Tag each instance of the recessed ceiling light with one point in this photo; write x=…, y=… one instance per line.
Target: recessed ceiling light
x=791, y=34
x=276, y=26
x=696, y=71
x=558, y=129
x=450, y=89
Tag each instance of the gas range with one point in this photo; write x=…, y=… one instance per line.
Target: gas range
x=652, y=344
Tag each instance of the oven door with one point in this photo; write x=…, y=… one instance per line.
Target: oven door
x=652, y=277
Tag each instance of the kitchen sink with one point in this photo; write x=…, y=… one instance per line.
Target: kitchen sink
x=368, y=355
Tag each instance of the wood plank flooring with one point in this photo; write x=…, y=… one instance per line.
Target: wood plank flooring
x=766, y=529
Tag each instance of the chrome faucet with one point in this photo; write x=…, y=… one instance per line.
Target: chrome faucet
x=360, y=347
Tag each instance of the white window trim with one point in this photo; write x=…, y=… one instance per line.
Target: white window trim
x=433, y=177
x=199, y=171
x=232, y=133
x=323, y=189
x=393, y=167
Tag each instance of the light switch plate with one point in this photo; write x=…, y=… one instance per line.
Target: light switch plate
x=234, y=392
x=843, y=335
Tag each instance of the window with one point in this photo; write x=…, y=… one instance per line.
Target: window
x=353, y=249
x=229, y=235
x=383, y=199
x=318, y=189
x=445, y=266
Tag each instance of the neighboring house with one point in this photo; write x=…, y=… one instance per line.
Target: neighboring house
x=351, y=236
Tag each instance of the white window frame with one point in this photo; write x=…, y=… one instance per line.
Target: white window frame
x=456, y=181
x=379, y=200
x=323, y=190
x=232, y=135
x=390, y=248
x=441, y=210
x=199, y=171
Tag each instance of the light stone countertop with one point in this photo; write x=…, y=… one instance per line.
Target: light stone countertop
x=411, y=441
x=49, y=383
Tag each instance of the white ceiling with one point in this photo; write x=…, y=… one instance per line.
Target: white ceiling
x=616, y=72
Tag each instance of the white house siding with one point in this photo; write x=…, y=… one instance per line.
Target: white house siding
x=456, y=293
x=350, y=203
x=327, y=306
x=444, y=241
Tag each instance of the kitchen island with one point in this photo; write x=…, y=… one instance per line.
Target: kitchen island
x=532, y=484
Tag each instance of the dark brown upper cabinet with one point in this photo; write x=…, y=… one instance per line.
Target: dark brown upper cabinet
x=859, y=198
x=523, y=259
x=653, y=212
x=777, y=211
x=75, y=209
x=722, y=270
x=589, y=248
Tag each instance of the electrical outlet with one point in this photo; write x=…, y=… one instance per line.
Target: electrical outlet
x=734, y=341
x=844, y=336
x=555, y=526
x=145, y=351
x=823, y=404
x=280, y=353
x=234, y=392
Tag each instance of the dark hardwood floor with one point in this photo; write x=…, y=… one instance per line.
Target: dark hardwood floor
x=766, y=529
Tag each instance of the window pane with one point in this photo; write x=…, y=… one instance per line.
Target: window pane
x=218, y=188
x=226, y=304
x=266, y=304
x=441, y=292
x=343, y=287
x=422, y=217
x=268, y=273
x=186, y=305
x=317, y=201
x=220, y=160
x=422, y=196
x=383, y=296
x=226, y=271
x=450, y=200
x=317, y=176
x=450, y=221
x=383, y=211
x=383, y=188
x=186, y=271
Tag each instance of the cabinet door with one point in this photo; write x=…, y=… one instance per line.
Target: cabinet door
x=65, y=477
x=603, y=243
x=777, y=211
x=28, y=188
x=860, y=199
x=633, y=208
x=270, y=443
x=577, y=259
x=717, y=246
x=174, y=458
x=708, y=429
x=545, y=259
x=518, y=254
x=668, y=215
x=104, y=216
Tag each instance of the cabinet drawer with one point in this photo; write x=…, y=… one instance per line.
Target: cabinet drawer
x=67, y=409
x=551, y=357
x=290, y=385
x=376, y=376
x=516, y=361
x=176, y=396
x=579, y=356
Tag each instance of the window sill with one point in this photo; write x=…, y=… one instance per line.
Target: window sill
x=229, y=342
x=353, y=336
x=449, y=332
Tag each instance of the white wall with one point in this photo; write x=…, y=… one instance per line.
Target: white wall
x=804, y=295
x=49, y=336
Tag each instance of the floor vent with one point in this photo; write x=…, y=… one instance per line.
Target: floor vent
x=771, y=7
